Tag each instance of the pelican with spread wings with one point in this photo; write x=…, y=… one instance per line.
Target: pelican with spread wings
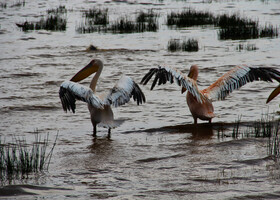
x=99, y=105
x=200, y=101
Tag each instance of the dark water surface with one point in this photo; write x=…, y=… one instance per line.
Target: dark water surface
x=157, y=153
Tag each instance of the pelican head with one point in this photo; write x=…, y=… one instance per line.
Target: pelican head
x=92, y=67
x=193, y=72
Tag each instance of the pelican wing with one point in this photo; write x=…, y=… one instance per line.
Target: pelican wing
x=123, y=91
x=164, y=74
x=70, y=91
x=236, y=78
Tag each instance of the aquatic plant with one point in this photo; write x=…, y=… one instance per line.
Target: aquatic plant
x=17, y=159
x=190, y=45
x=274, y=143
x=54, y=21
x=235, y=27
x=18, y=4
x=178, y=45
x=248, y=47
x=190, y=17
x=60, y=10
x=97, y=16
x=3, y=5
x=124, y=24
x=232, y=26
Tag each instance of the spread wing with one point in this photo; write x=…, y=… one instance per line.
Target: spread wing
x=237, y=77
x=70, y=91
x=164, y=74
x=121, y=93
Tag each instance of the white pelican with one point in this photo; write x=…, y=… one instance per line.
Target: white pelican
x=200, y=101
x=99, y=105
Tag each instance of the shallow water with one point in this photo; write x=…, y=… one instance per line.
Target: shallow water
x=156, y=153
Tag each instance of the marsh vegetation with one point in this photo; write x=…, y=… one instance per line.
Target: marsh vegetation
x=190, y=45
x=55, y=20
x=18, y=159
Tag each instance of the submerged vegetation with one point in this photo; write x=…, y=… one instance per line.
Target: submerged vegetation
x=266, y=127
x=54, y=21
x=248, y=47
x=17, y=159
x=97, y=20
x=178, y=45
x=189, y=17
x=231, y=26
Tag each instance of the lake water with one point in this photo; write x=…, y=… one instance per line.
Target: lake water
x=156, y=153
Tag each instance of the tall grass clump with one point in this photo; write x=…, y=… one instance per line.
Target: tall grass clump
x=18, y=159
x=190, y=17
x=259, y=128
x=144, y=21
x=248, y=47
x=97, y=16
x=18, y=4
x=274, y=143
x=234, y=27
x=185, y=45
x=55, y=20
x=3, y=5
x=95, y=19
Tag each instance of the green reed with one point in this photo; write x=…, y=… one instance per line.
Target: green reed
x=185, y=45
x=273, y=146
x=248, y=47
x=18, y=4
x=55, y=20
x=18, y=159
x=144, y=21
x=3, y=5
x=232, y=26
x=190, y=17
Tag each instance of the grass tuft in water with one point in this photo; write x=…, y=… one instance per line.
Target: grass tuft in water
x=274, y=143
x=236, y=28
x=248, y=47
x=3, y=5
x=145, y=21
x=54, y=21
x=231, y=26
x=190, y=17
x=178, y=45
x=18, y=4
x=18, y=159
x=59, y=10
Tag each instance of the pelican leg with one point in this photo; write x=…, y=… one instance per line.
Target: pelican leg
x=195, y=120
x=210, y=121
x=94, y=130
x=109, y=133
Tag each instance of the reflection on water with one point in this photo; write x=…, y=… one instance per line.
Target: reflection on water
x=157, y=153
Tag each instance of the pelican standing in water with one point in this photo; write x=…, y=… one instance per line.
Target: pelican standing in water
x=200, y=101
x=99, y=105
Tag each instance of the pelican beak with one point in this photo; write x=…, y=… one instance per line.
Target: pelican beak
x=183, y=90
x=273, y=94
x=191, y=73
x=91, y=68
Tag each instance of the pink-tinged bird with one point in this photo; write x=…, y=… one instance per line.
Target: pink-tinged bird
x=200, y=101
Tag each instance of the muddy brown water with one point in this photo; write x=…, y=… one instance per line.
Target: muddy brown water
x=157, y=153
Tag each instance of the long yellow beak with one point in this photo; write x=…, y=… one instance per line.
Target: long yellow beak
x=91, y=68
x=273, y=94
